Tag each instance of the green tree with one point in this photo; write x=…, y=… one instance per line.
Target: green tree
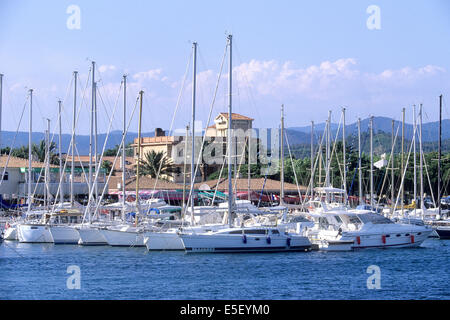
x=151, y=163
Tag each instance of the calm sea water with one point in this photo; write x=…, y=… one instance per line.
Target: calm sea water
x=39, y=271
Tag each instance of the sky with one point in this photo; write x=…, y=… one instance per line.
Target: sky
x=311, y=56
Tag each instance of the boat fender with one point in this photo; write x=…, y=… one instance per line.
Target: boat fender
x=383, y=239
x=244, y=238
x=358, y=240
x=288, y=242
x=269, y=241
x=412, y=238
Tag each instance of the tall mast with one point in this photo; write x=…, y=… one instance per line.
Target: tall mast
x=123, y=145
x=47, y=163
x=402, y=164
x=414, y=162
x=421, y=160
x=75, y=75
x=30, y=130
x=312, y=160
x=249, y=137
x=91, y=132
x=184, y=168
x=392, y=167
x=141, y=96
x=96, y=164
x=371, y=160
x=439, y=155
x=359, y=164
x=1, y=109
x=230, y=126
x=194, y=87
x=282, y=157
x=344, y=155
x=61, y=191
x=328, y=151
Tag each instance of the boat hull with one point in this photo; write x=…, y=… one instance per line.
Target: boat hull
x=163, y=241
x=10, y=234
x=117, y=238
x=29, y=233
x=443, y=233
x=64, y=235
x=91, y=237
x=236, y=243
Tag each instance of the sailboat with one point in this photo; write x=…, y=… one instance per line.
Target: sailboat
x=240, y=238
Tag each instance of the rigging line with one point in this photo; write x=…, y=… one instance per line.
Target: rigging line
x=65, y=164
x=240, y=163
x=207, y=125
x=390, y=162
x=180, y=94
x=335, y=151
x=406, y=165
x=115, y=158
x=316, y=162
x=14, y=140
x=220, y=176
x=293, y=169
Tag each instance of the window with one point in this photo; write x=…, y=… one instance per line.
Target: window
x=255, y=231
x=374, y=218
x=5, y=176
x=275, y=232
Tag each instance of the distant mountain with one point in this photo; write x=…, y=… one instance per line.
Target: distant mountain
x=429, y=130
x=297, y=136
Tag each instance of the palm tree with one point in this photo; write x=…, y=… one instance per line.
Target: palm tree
x=153, y=161
x=39, y=151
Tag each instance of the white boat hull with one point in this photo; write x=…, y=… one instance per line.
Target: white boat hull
x=10, y=234
x=64, y=235
x=395, y=240
x=29, y=233
x=163, y=241
x=219, y=243
x=117, y=238
x=91, y=237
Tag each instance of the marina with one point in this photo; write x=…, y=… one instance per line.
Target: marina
x=212, y=192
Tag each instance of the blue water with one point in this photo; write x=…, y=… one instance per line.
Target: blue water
x=39, y=271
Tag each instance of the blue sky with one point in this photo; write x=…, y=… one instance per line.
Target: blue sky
x=313, y=56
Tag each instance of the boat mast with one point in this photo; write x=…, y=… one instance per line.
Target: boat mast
x=123, y=145
x=414, y=162
x=141, y=96
x=371, y=161
x=30, y=130
x=61, y=191
x=184, y=168
x=47, y=163
x=96, y=164
x=403, y=142
x=359, y=163
x=230, y=126
x=421, y=161
x=1, y=109
x=392, y=167
x=282, y=158
x=312, y=160
x=194, y=86
x=439, y=155
x=75, y=75
x=90, y=134
x=249, y=136
x=344, y=155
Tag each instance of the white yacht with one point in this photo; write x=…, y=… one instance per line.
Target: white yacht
x=64, y=231
x=245, y=239
x=366, y=230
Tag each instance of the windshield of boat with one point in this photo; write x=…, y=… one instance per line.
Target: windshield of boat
x=374, y=218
